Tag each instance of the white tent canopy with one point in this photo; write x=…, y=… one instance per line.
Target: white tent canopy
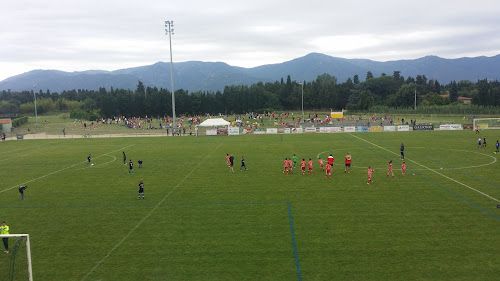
x=214, y=122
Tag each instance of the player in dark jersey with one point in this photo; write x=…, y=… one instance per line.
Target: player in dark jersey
x=402, y=149
x=141, y=190
x=130, y=167
x=497, y=145
x=484, y=143
x=89, y=159
x=243, y=164
x=140, y=163
x=22, y=188
x=124, y=158
x=231, y=164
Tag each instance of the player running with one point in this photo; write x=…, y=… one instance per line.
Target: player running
x=328, y=170
x=310, y=171
x=321, y=164
x=227, y=159
x=497, y=145
x=243, y=164
x=347, y=168
x=303, y=166
x=390, y=170
x=403, y=169
x=370, y=172
x=285, y=168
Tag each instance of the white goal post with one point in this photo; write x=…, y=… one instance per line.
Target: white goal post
x=20, y=240
x=486, y=123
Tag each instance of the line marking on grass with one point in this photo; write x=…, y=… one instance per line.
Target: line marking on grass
x=299, y=275
x=60, y=170
x=440, y=186
x=147, y=216
x=436, y=172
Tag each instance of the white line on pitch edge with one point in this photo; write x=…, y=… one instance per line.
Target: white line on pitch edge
x=147, y=216
x=463, y=184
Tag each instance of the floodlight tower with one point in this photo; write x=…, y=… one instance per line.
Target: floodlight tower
x=36, y=115
x=169, y=30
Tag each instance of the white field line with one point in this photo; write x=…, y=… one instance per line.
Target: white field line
x=146, y=216
x=60, y=170
x=445, y=176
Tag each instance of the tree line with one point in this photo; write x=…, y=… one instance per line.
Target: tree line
x=323, y=93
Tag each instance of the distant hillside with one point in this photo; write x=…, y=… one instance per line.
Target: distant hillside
x=213, y=76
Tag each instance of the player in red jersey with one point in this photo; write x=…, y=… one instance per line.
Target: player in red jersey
x=310, y=171
x=328, y=170
x=403, y=168
x=303, y=166
x=290, y=165
x=227, y=160
x=285, y=168
x=330, y=160
x=347, y=163
x=390, y=170
x=370, y=172
x=321, y=164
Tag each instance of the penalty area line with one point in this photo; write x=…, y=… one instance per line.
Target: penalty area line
x=436, y=172
x=60, y=170
x=146, y=216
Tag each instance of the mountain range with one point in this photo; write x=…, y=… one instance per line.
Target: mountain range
x=213, y=76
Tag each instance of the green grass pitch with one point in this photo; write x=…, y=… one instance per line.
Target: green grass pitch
x=199, y=222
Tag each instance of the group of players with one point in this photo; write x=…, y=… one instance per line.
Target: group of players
x=482, y=145
x=230, y=163
x=291, y=163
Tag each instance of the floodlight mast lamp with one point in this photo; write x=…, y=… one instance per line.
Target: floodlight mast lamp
x=169, y=30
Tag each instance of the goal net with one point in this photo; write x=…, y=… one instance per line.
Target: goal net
x=486, y=123
x=16, y=264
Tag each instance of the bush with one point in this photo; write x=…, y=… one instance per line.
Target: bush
x=86, y=115
x=19, y=121
x=432, y=109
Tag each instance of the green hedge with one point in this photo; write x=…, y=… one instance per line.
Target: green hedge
x=85, y=115
x=19, y=121
x=433, y=109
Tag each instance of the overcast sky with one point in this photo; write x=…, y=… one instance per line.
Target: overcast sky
x=75, y=35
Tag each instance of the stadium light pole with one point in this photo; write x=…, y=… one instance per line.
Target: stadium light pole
x=36, y=115
x=415, y=106
x=302, y=84
x=170, y=31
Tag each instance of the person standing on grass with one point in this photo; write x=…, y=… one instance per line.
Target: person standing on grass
x=140, y=163
x=390, y=170
x=290, y=165
x=497, y=146
x=403, y=168
x=141, y=190
x=347, y=168
x=231, y=164
x=243, y=163
x=321, y=164
x=330, y=160
x=370, y=172
x=285, y=166
x=89, y=160
x=402, y=149
x=479, y=143
x=294, y=160
x=227, y=159
x=328, y=170
x=22, y=188
x=130, y=167
x=124, y=158
x=310, y=171
x=4, y=229
x=303, y=166
x=484, y=142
